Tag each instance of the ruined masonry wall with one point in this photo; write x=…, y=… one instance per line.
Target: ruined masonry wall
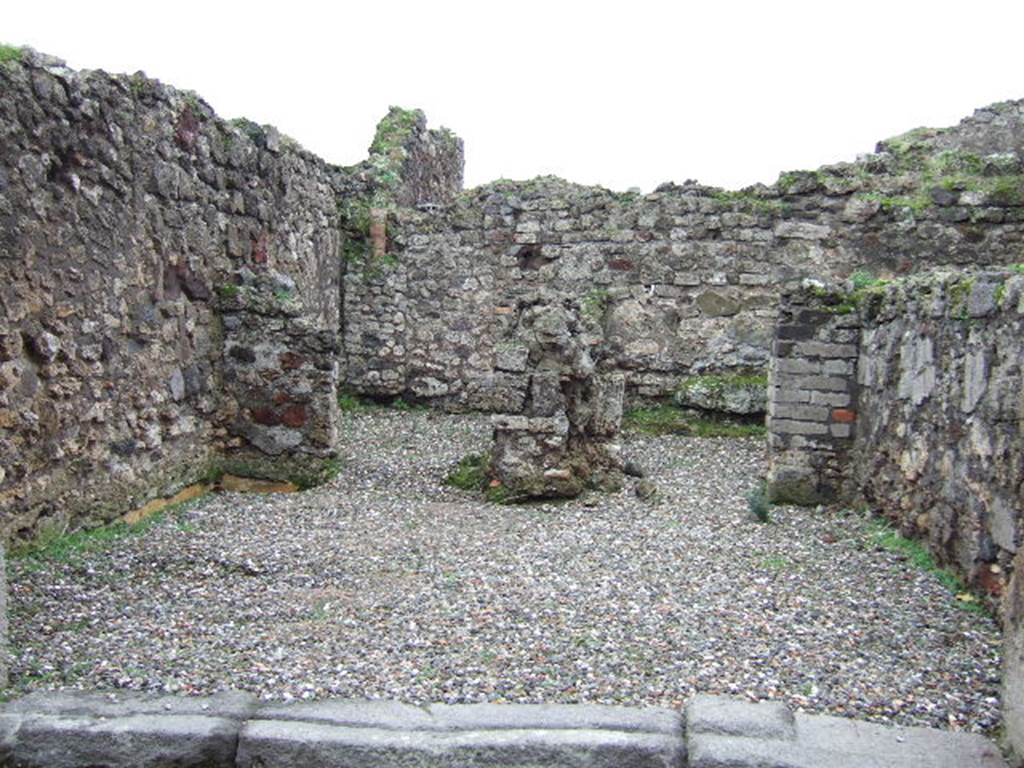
x=936, y=408
x=940, y=434
x=129, y=214
x=686, y=278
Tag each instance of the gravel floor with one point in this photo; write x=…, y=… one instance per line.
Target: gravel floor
x=386, y=584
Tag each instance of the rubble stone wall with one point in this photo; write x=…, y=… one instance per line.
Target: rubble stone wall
x=128, y=214
x=940, y=430
x=687, y=277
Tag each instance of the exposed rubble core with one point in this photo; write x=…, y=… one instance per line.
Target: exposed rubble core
x=563, y=438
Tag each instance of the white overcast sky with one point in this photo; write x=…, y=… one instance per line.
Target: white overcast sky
x=623, y=94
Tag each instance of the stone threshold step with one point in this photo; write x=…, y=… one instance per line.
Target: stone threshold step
x=234, y=730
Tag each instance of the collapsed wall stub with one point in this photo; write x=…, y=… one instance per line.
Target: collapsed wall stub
x=279, y=403
x=564, y=436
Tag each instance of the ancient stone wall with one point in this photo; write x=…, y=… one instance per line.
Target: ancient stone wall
x=128, y=214
x=930, y=428
x=936, y=408
x=686, y=277
x=940, y=444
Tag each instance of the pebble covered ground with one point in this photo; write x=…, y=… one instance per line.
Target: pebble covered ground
x=388, y=584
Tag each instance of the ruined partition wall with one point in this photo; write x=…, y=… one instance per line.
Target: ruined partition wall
x=933, y=435
x=166, y=279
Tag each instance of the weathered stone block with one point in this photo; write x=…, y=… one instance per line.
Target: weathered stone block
x=794, y=484
x=824, y=349
x=802, y=230
x=799, y=412
x=838, y=367
x=799, y=366
x=981, y=302
x=742, y=395
x=129, y=741
x=609, y=391
x=845, y=743
x=789, y=395
x=840, y=430
x=276, y=744
x=717, y=304
x=511, y=357
x=821, y=383
x=546, y=398
x=734, y=717
x=836, y=399
x=556, y=717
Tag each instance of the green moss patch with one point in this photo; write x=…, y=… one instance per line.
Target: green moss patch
x=9, y=53
x=304, y=472
x=670, y=420
x=723, y=382
x=394, y=129
x=745, y=200
x=470, y=473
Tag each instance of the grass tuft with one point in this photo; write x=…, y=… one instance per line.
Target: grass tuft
x=884, y=536
x=351, y=402
x=469, y=474
x=55, y=545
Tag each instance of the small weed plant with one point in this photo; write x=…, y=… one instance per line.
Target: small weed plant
x=758, y=503
x=470, y=474
x=9, y=53
x=55, y=545
x=351, y=402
